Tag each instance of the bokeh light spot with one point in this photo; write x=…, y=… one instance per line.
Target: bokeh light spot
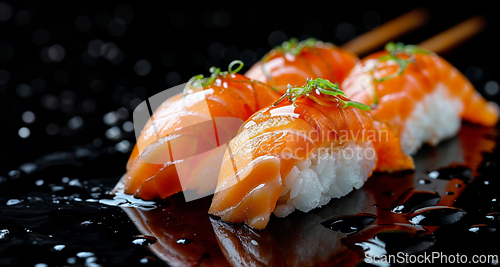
x=142, y=67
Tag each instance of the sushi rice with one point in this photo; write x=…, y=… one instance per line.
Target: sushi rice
x=326, y=174
x=435, y=118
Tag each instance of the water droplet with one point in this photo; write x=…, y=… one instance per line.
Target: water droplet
x=144, y=240
x=28, y=117
x=59, y=247
x=350, y=223
x=113, y=133
x=75, y=122
x=433, y=174
x=84, y=254
x=413, y=200
x=128, y=126
x=147, y=260
x=142, y=67
x=494, y=216
x=482, y=229
x=13, y=201
x=454, y=171
x=123, y=146
x=24, y=132
x=56, y=53
x=28, y=167
x=424, y=181
x=491, y=88
x=184, y=241
x=3, y=233
x=437, y=216
x=14, y=174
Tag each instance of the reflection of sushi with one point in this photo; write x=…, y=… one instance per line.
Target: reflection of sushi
x=420, y=94
x=183, y=233
x=293, y=62
x=183, y=124
x=301, y=152
x=293, y=242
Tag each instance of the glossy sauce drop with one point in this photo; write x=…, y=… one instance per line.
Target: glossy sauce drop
x=436, y=216
x=350, y=223
x=494, y=216
x=413, y=200
x=482, y=229
x=454, y=171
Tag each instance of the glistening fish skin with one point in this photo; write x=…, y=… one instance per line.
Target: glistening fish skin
x=275, y=138
x=229, y=95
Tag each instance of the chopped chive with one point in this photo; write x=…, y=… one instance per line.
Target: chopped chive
x=399, y=48
x=321, y=86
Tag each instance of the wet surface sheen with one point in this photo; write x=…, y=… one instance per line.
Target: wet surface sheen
x=59, y=213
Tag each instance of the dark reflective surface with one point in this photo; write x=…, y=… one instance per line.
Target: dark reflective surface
x=71, y=76
x=364, y=222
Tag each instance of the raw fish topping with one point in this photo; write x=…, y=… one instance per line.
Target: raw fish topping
x=395, y=51
x=200, y=80
x=318, y=86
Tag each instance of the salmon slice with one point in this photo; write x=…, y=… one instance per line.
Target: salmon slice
x=418, y=93
x=293, y=62
x=183, y=137
x=274, y=140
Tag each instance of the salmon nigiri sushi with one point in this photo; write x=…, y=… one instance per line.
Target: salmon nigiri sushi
x=179, y=147
x=421, y=95
x=294, y=61
x=314, y=144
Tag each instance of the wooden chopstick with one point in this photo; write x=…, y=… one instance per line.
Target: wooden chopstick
x=445, y=41
x=386, y=32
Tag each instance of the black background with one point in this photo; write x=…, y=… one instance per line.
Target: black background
x=76, y=100
x=178, y=41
